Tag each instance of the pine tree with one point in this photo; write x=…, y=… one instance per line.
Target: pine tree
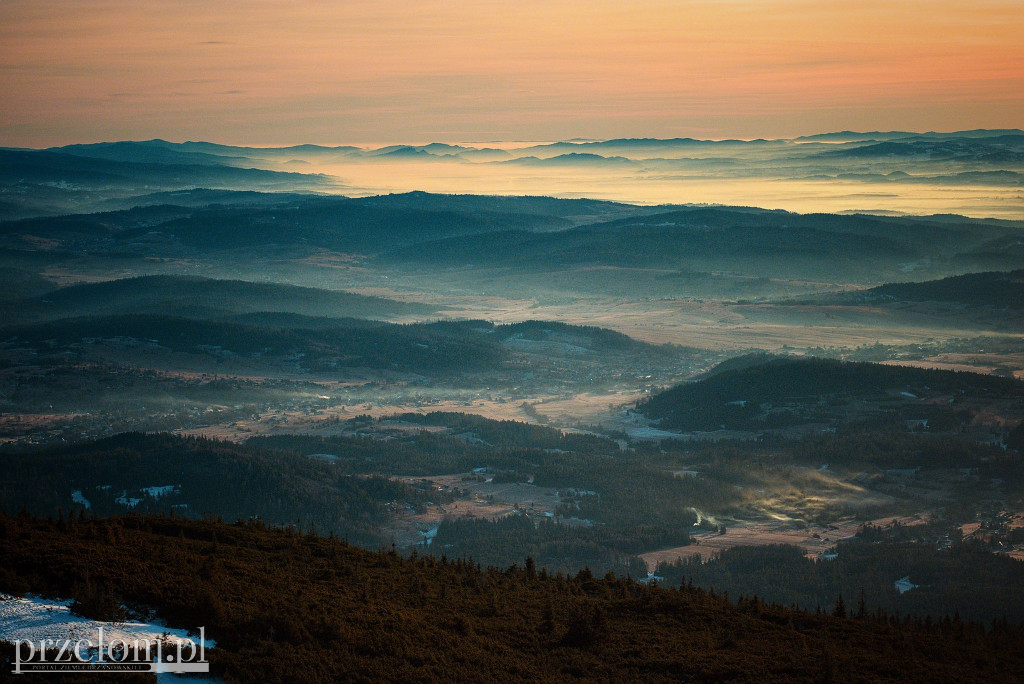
x=840, y=610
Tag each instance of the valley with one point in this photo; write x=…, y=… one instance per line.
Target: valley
x=670, y=393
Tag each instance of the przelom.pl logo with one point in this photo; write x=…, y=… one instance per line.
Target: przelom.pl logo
x=113, y=655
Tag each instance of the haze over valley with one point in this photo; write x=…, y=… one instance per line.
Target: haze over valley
x=661, y=342
x=295, y=312
x=974, y=173
x=496, y=376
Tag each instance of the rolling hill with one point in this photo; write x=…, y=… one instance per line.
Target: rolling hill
x=1004, y=289
x=778, y=391
x=991, y=298
x=338, y=223
x=349, y=344
x=197, y=297
x=749, y=241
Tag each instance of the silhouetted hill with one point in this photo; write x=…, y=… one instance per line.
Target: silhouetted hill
x=1001, y=289
x=426, y=231
x=204, y=218
x=636, y=147
x=662, y=240
x=17, y=284
x=163, y=151
x=284, y=152
x=736, y=397
x=1008, y=148
x=334, y=223
x=151, y=151
x=991, y=178
x=413, y=348
x=570, y=209
x=338, y=223
x=750, y=241
x=203, y=197
x=846, y=136
x=324, y=344
x=36, y=166
x=583, y=159
x=206, y=298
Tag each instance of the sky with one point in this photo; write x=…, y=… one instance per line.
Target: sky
x=266, y=72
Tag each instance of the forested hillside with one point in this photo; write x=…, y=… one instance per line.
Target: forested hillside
x=774, y=392
x=285, y=607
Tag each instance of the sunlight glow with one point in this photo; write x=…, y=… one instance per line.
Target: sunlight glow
x=274, y=72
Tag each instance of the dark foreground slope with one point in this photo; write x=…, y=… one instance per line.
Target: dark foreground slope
x=284, y=606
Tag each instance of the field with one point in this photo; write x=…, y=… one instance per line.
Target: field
x=816, y=541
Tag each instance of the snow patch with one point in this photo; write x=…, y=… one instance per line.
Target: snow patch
x=323, y=457
x=157, y=492
x=651, y=579
x=903, y=584
x=34, y=618
x=428, y=536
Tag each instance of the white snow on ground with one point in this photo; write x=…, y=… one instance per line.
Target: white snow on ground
x=33, y=618
x=903, y=584
x=651, y=579
x=157, y=492
x=428, y=536
x=324, y=457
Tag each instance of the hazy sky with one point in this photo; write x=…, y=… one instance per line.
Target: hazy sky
x=270, y=72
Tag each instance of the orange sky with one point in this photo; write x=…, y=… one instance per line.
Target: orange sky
x=271, y=72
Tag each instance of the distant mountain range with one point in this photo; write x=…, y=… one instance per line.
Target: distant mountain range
x=204, y=220
x=868, y=144
x=997, y=149
x=533, y=234
x=93, y=177
x=159, y=200
x=138, y=165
